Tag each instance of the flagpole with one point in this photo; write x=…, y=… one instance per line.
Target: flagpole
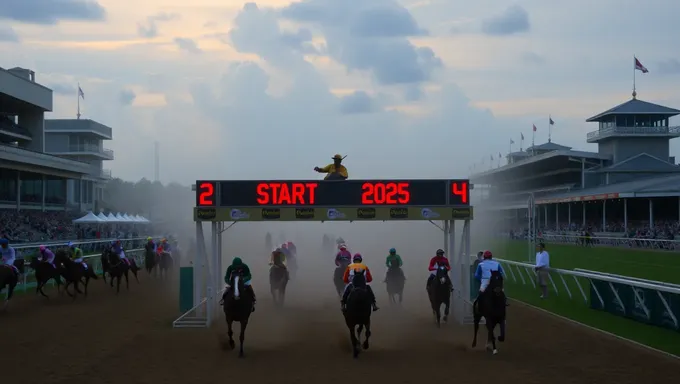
x=549, y=128
x=78, y=97
x=634, y=62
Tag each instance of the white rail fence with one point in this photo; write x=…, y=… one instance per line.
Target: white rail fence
x=643, y=300
x=594, y=241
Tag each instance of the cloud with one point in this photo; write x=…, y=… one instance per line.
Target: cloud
x=369, y=36
x=149, y=28
x=51, y=11
x=187, y=44
x=357, y=102
x=62, y=88
x=669, y=67
x=126, y=97
x=513, y=20
x=532, y=58
x=7, y=34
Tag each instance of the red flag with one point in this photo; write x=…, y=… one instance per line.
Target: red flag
x=534, y=127
x=639, y=66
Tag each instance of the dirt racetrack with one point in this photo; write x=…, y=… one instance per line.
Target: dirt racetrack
x=129, y=339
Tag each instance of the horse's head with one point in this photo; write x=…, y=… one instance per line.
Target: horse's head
x=237, y=285
x=359, y=279
x=61, y=255
x=442, y=274
x=496, y=282
x=19, y=263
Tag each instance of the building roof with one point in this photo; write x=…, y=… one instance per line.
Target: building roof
x=518, y=154
x=636, y=107
x=642, y=162
x=549, y=146
x=649, y=187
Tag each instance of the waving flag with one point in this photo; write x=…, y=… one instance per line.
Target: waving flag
x=639, y=66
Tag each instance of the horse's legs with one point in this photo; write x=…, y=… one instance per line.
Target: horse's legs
x=491, y=339
x=477, y=318
x=447, y=304
x=118, y=277
x=39, y=289
x=401, y=296
x=368, y=334
x=501, y=337
x=242, y=337
x=66, y=288
x=355, y=341
x=127, y=281
x=76, y=286
x=111, y=278
x=230, y=333
x=87, y=281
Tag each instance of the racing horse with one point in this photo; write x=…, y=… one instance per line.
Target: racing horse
x=151, y=260
x=337, y=277
x=491, y=305
x=44, y=272
x=358, y=309
x=439, y=292
x=9, y=278
x=237, y=304
x=74, y=273
x=117, y=269
x=278, y=280
x=395, y=283
x=165, y=264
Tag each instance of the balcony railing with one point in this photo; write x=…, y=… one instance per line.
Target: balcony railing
x=90, y=148
x=105, y=173
x=633, y=131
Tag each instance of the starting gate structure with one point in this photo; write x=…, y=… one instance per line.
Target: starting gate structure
x=225, y=203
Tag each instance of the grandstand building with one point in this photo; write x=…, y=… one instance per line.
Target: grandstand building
x=47, y=164
x=631, y=179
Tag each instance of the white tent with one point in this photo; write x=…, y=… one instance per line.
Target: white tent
x=137, y=219
x=127, y=218
x=102, y=216
x=120, y=218
x=112, y=218
x=90, y=218
x=144, y=219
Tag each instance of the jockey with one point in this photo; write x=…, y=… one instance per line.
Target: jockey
x=483, y=272
x=292, y=248
x=117, y=248
x=47, y=255
x=391, y=261
x=343, y=256
x=76, y=254
x=357, y=266
x=166, y=246
x=8, y=254
x=150, y=246
x=278, y=257
x=239, y=267
x=438, y=261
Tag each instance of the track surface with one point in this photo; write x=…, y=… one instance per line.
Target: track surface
x=129, y=339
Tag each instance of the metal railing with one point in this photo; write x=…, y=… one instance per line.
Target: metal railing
x=593, y=241
x=90, y=148
x=605, y=291
x=616, y=130
x=87, y=246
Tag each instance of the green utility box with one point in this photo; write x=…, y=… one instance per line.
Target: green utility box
x=186, y=289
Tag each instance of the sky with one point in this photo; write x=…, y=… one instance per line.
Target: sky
x=408, y=89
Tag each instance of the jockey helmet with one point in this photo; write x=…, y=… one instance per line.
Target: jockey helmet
x=392, y=251
x=290, y=243
x=43, y=248
x=164, y=240
x=237, y=261
x=284, y=245
x=70, y=244
x=4, y=241
x=149, y=238
x=440, y=252
x=357, y=258
x=488, y=254
x=480, y=254
x=342, y=247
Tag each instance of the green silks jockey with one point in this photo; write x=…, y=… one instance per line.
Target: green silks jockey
x=393, y=260
x=239, y=267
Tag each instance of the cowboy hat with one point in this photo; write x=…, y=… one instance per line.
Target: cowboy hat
x=338, y=157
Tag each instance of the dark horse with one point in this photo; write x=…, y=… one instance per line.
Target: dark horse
x=395, y=283
x=337, y=278
x=491, y=305
x=237, y=304
x=358, y=309
x=117, y=269
x=439, y=291
x=151, y=259
x=278, y=280
x=74, y=273
x=44, y=272
x=165, y=264
x=9, y=278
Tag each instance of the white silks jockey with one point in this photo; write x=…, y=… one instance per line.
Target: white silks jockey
x=8, y=254
x=47, y=255
x=117, y=248
x=484, y=269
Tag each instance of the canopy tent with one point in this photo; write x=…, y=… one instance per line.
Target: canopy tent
x=120, y=218
x=137, y=219
x=90, y=218
x=111, y=217
x=102, y=216
x=127, y=218
x=143, y=219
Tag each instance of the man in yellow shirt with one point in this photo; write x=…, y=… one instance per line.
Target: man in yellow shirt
x=335, y=171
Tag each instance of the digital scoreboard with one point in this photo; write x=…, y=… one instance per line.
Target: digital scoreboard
x=287, y=199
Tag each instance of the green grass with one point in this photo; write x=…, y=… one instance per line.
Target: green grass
x=653, y=265
x=646, y=264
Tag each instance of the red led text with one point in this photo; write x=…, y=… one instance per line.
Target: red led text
x=461, y=190
x=385, y=193
x=286, y=193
